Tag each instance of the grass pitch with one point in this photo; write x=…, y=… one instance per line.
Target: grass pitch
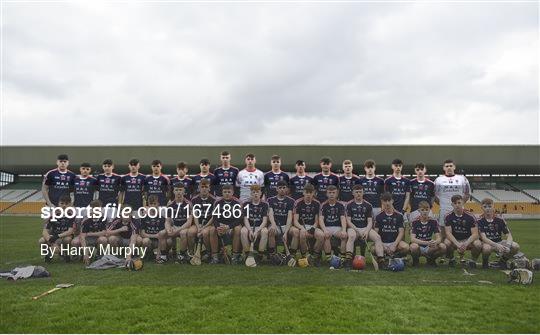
x=175, y=298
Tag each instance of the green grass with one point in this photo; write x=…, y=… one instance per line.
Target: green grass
x=234, y=299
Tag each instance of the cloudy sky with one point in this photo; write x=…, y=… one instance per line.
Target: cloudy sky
x=261, y=73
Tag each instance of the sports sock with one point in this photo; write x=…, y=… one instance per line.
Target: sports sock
x=348, y=255
x=272, y=251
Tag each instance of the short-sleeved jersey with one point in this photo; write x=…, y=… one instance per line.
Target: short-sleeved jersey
x=152, y=225
x=281, y=208
x=188, y=185
x=461, y=225
x=83, y=190
x=132, y=225
x=421, y=191
x=108, y=187
x=321, y=183
x=221, y=210
x=225, y=177
x=389, y=225
x=307, y=212
x=332, y=213
x=158, y=186
x=425, y=230
x=270, y=182
x=359, y=213
x=247, y=178
x=373, y=189
x=297, y=184
x=60, y=225
x=205, y=205
x=60, y=184
x=133, y=187
x=179, y=212
x=399, y=188
x=93, y=225
x=346, y=187
x=448, y=186
x=197, y=181
x=255, y=212
x=494, y=229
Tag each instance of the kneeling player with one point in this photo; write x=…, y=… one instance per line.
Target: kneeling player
x=332, y=222
x=492, y=229
x=425, y=237
x=360, y=223
x=153, y=231
x=255, y=222
x=59, y=233
x=461, y=232
x=228, y=223
x=123, y=232
x=305, y=217
x=179, y=223
x=93, y=232
x=389, y=226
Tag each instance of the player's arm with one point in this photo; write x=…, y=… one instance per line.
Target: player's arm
x=343, y=223
x=369, y=223
x=45, y=192
x=319, y=220
x=485, y=239
x=450, y=236
x=407, y=200
x=437, y=192
x=473, y=237
x=168, y=225
x=296, y=221
x=349, y=222
x=271, y=217
x=401, y=234
x=466, y=191
x=264, y=222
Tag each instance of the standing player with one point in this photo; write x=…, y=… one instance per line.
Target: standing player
x=324, y=179
x=332, y=222
x=373, y=186
x=389, y=226
x=84, y=187
x=446, y=187
x=202, y=206
x=226, y=174
x=204, y=174
x=249, y=176
x=58, y=233
x=299, y=181
x=426, y=237
x=255, y=222
x=347, y=181
x=398, y=186
x=153, y=231
x=227, y=223
x=422, y=189
x=280, y=215
x=492, y=230
x=58, y=182
x=461, y=232
x=132, y=186
x=108, y=184
x=157, y=184
x=179, y=223
x=271, y=178
x=182, y=178
x=305, y=219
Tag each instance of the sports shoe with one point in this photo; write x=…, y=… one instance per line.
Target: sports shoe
x=214, y=260
x=160, y=260
x=452, y=262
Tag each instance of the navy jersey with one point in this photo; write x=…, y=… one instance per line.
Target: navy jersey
x=60, y=225
x=152, y=225
x=222, y=210
x=461, y=225
x=133, y=187
x=321, y=183
x=307, y=212
x=197, y=181
x=346, y=187
x=60, y=183
x=108, y=187
x=389, y=225
x=398, y=188
x=157, y=186
x=359, y=213
x=332, y=213
x=281, y=208
x=425, y=231
x=84, y=189
x=255, y=212
x=225, y=177
x=421, y=191
x=179, y=212
x=188, y=185
x=495, y=229
x=93, y=225
x=296, y=186
x=132, y=227
x=205, y=205
x=270, y=182
x=373, y=189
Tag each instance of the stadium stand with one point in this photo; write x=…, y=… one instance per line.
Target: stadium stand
x=502, y=196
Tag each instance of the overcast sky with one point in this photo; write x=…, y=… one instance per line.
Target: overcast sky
x=252, y=73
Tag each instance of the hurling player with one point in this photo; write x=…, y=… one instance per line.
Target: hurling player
x=398, y=186
x=255, y=222
x=389, y=226
x=347, y=181
x=280, y=215
x=205, y=173
x=332, y=221
x=58, y=182
x=157, y=184
x=305, y=219
x=373, y=186
x=426, y=237
x=249, y=176
x=182, y=178
x=271, y=178
x=300, y=180
x=108, y=184
x=229, y=226
x=60, y=232
x=422, y=189
x=324, y=179
x=179, y=223
x=226, y=174
x=131, y=186
x=202, y=206
x=153, y=231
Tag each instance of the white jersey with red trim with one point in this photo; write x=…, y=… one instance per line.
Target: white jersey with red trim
x=247, y=178
x=448, y=186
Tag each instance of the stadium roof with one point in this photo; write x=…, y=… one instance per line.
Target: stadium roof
x=474, y=159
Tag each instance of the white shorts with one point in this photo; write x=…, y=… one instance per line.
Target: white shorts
x=333, y=230
x=308, y=227
x=424, y=250
x=387, y=244
x=442, y=214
